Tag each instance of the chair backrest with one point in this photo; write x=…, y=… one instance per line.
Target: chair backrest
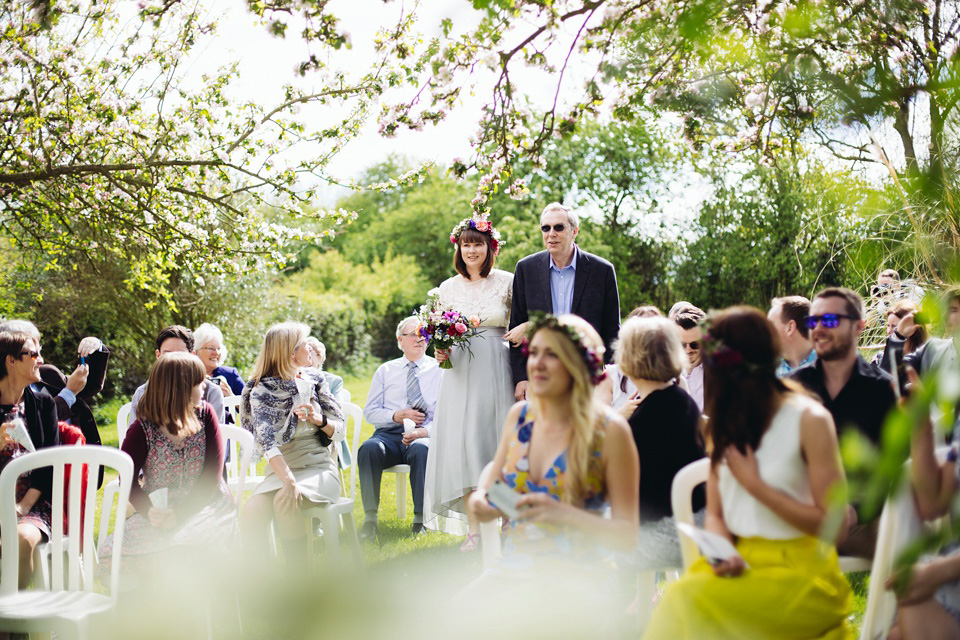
x=80, y=549
x=343, y=397
x=123, y=420
x=238, y=465
x=231, y=405
x=681, y=499
x=354, y=414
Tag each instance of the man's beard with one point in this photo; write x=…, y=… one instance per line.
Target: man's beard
x=838, y=349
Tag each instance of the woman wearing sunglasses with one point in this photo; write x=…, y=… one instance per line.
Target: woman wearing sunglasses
x=20, y=405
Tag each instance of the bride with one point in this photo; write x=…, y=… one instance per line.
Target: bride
x=477, y=392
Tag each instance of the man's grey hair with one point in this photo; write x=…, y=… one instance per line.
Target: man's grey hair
x=572, y=217
x=21, y=326
x=404, y=323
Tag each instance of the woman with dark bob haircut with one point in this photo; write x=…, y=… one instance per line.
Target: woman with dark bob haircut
x=477, y=392
x=774, y=465
x=20, y=362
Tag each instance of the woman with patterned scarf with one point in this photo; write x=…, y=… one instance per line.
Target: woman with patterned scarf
x=294, y=420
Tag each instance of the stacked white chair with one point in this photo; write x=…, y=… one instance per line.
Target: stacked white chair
x=67, y=607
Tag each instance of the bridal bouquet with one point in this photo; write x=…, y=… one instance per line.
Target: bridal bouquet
x=445, y=328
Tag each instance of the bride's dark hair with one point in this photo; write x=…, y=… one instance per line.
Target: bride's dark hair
x=472, y=235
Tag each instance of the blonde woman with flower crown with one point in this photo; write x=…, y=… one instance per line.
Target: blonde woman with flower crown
x=567, y=455
x=477, y=392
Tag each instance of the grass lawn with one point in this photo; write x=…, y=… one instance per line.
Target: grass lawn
x=397, y=543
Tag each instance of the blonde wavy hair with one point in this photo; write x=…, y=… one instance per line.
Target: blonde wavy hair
x=275, y=359
x=585, y=415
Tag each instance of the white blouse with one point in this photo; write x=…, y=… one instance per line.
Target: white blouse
x=781, y=466
x=488, y=298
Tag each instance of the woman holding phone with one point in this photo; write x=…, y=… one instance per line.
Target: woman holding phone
x=774, y=467
x=176, y=442
x=567, y=456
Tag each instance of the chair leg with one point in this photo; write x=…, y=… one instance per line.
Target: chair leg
x=109, y=493
x=350, y=531
x=331, y=534
x=402, y=480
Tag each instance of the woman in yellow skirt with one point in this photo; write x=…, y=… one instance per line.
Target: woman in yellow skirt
x=774, y=465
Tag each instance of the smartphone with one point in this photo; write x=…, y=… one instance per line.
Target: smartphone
x=504, y=498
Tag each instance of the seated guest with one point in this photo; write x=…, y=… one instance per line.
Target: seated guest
x=688, y=319
x=176, y=442
x=569, y=457
x=402, y=388
x=72, y=394
x=788, y=316
x=774, y=464
x=666, y=430
x=177, y=339
x=929, y=599
x=295, y=420
x=615, y=389
x=208, y=344
x=20, y=404
x=318, y=355
x=856, y=394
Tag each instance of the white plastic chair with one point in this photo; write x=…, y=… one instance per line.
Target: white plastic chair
x=231, y=405
x=66, y=609
x=110, y=489
x=403, y=476
x=333, y=514
x=237, y=438
x=681, y=499
x=900, y=524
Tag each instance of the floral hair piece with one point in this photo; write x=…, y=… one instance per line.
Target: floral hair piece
x=591, y=358
x=718, y=355
x=481, y=224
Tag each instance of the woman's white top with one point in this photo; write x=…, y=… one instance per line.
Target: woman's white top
x=781, y=466
x=620, y=397
x=487, y=298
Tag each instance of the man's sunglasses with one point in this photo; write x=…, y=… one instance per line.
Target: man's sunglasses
x=30, y=352
x=695, y=345
x=828, y=320
x=559, y=227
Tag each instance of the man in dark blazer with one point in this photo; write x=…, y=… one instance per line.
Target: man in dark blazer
x=562, y=279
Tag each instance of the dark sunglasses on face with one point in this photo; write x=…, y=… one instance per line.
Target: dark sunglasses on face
x=695, y=345
x=559, y=227
x=30, y=352
x=828, y=320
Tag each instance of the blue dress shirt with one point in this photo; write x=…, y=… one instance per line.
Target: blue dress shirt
x=388, y=391
x=561, y=285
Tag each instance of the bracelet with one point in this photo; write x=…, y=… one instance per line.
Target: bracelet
x=898, y=336
x=324, y=423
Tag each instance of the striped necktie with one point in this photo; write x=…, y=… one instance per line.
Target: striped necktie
x=414, y=396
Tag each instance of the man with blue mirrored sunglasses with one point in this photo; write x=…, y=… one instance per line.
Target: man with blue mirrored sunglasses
x=857, y=394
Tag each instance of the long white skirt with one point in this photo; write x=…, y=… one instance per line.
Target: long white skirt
x=472, y=404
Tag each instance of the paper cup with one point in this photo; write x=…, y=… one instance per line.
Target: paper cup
x=408, y=425
x=19, y=434
x=159, y=498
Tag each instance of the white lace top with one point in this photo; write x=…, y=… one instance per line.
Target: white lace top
x=488, y=298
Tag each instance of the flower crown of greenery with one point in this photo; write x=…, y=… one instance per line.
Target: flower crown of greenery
x=719, y=355
x=481, y=224
x=591, y=358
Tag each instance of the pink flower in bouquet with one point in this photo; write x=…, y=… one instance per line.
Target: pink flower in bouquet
x=475, y=321
x=460, y=327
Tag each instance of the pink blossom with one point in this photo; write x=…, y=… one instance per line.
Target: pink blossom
x=460, y=327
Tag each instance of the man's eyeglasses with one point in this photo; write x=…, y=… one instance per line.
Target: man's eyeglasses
x=30, y=352
x=410, y=333
x=559, y=227
x=695, y=345
x=828, y=320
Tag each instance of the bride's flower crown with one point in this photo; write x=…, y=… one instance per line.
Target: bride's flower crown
x=482, y=225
